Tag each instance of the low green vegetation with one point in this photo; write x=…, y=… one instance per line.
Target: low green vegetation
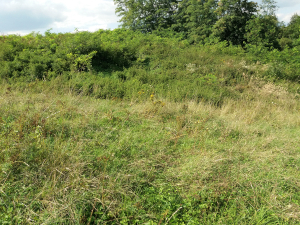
x=130, y=127
x=74, y=159
x=130, y=65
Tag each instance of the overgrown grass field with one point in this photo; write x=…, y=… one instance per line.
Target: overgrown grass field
x=179, y=135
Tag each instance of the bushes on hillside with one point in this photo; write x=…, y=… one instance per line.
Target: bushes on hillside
x=121, y=63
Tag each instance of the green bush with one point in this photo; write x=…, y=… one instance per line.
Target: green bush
x=121, y=63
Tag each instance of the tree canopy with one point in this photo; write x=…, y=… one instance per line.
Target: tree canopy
x=146, y=15
x=233, y=18
x=238, y=22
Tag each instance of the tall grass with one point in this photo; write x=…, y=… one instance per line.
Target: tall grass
x=139, y=129
x=74, y=159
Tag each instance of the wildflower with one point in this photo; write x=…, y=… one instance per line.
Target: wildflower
x=152, y=96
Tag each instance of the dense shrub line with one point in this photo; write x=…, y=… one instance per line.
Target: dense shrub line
x=123, y=64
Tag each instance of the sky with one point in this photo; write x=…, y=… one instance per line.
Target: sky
x=25, y=16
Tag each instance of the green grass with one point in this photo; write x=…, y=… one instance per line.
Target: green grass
x=149, y=130
x=75, y=159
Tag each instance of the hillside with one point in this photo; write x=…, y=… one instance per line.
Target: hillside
x=120, y=127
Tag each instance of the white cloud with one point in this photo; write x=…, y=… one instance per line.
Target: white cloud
x=286, y=9
x=89, y=14
x=25, y=16
x=286, y=17
x=288, y=4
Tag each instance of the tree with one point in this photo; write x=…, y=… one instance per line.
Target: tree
x=146, y=15
x=264, y=28
x=291, y=33
x=196, y=18
x=293, y=29
x=233, y=17
x=268, y=8
x=192, y=19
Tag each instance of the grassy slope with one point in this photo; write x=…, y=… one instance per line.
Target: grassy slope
x=75, y=159
x=157, y=132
